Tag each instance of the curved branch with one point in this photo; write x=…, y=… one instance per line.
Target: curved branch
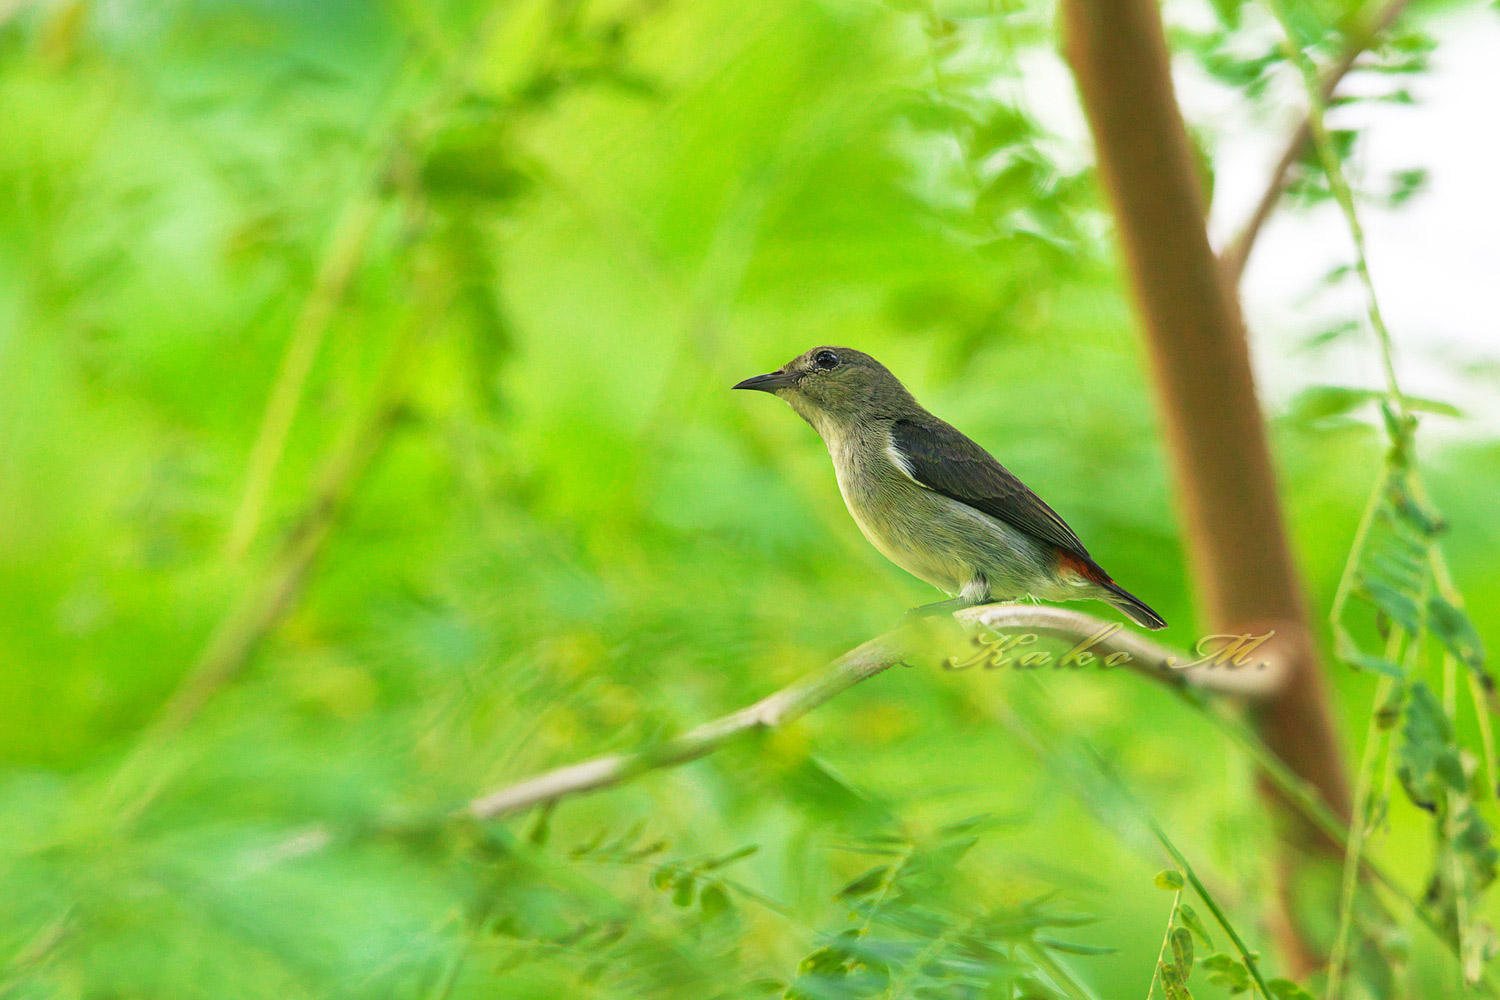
x=1104, y=638
x=797, y=699
x=1258, y=679
x=1237, y=254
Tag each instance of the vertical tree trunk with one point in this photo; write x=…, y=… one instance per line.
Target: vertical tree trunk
x=1242, y=566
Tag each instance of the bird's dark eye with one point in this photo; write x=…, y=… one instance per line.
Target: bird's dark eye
x=826, y=360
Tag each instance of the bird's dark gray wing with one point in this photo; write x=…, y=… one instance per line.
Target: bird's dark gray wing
x=940, y=458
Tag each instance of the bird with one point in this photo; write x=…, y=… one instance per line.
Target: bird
x=931, y=500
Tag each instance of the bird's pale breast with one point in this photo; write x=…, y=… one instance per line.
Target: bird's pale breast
x=947, y=543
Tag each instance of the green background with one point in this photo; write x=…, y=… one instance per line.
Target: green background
x=572, y=227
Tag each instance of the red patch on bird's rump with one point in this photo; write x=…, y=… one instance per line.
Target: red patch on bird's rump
x=1067, y=562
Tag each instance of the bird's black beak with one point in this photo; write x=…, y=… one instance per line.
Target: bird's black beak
x=769, y=382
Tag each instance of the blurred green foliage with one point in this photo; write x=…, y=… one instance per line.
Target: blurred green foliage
x=404, y=332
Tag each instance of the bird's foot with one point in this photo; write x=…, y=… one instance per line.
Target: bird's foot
x=936, y=609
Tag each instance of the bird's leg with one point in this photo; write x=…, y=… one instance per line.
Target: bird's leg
x=974, y=593
x=938, y=608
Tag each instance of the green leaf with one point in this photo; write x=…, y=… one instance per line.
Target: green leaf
x=1426, y=523
x=1188, y=917
x=1018, y=183
x=1285, y=989
x=1449, y=767
x=1169, y=879
x=864, y=884
x=1397, y=564
x=1001, y=128
x=1227, y=971
x=1182, y=951
x=1305, y=25
x=1331, y=335
x=1323, y=402
x=1171, y=982
x=470, y=155
x=1389, y=712
x=684, y=890
x=1456, y=630
x=1074, y=948
x=541, y=829
x=819, y=786
x=646, y=851
x=1029, y=986
x=974, y=824
x=1395, y=605
x=1361, y=660
x=730, y=858
x=1474, y=842
x=1228, y=12
x=713, y=900
x=1424, y=405
x=1220, y=62
x=591, y=845
x=1402, y=431
x=829, y=960
x=1428, y=758
x=1405, y=183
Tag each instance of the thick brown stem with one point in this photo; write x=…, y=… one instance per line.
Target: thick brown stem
x=1242, y=565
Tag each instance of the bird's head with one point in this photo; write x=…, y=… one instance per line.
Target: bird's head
x=832, y=387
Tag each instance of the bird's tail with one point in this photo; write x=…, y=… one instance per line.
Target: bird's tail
x=1133, y=607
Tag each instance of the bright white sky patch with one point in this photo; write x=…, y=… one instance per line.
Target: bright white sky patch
x=1436, y=260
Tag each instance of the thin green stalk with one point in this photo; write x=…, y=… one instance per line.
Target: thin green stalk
x=1162, y=951
x=1364, y=781
x=889, y=882
x=347, y=248
x=898, y=985
x=1148, y=819
x=1246, y=955
x=1484, y=700
x=1343, y=195
x=1060, y=972
x=1450, y=834
x=1354, y=854
x=1313, y=808
x=141, y=775
x=1356, y=551
x=342, y=259
x=1486, y=733
x=1450, y=831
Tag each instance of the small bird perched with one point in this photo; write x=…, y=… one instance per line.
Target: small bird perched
x=932, y=501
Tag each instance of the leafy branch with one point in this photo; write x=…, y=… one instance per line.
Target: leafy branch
x=1396, y=566
x=1236, y=255
x=915, y=934
x=1100, y=786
